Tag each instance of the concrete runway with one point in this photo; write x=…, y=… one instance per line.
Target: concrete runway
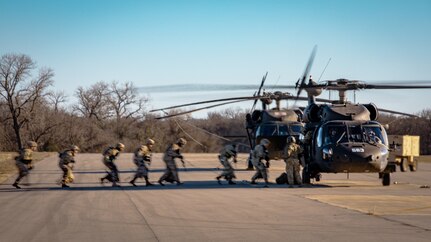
x=335, y=209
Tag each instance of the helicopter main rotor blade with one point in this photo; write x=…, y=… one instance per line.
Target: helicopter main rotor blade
x=301, y=83
x=258, y=92
x=208, y=101
x=236, y=101
x=396, y=112
x=199, y=109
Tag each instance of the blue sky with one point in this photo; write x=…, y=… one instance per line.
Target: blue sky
x=176, y=42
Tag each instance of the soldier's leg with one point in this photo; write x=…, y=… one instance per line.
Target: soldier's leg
x=165, y=175
x=264, y=172
x=174, y=170
x=289, y=172
x=63, y=167
x=23, y=171
x=145, y=175
x=297, y=169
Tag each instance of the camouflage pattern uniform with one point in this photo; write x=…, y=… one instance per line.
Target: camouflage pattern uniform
x=67, y=159
x=229, y=151
x=293, y=167
x=23, y=161
x=109, y=155
x=142, y=160
x=260, y=153
x=171, y=153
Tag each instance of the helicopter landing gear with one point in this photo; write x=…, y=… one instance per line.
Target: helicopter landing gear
x=305, y=176
x=386, y=178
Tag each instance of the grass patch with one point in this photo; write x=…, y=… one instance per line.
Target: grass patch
x=7, y=163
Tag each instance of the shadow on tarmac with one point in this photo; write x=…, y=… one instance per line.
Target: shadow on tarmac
x=141, y=186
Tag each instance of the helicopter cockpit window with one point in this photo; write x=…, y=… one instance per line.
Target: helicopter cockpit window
x=335, y=134
x=267, y=130
x=374, y=134
x=296, y=129
x=283, y=130
x=355, y=133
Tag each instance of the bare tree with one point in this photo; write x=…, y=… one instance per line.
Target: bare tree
x=92, y=102
x=126, y=105
x=20, y=94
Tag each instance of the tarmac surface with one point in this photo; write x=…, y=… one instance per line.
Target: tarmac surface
x=334, y=209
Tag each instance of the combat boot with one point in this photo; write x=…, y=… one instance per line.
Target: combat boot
x=64, y=185
x=161, y=183
x=148, y=183
x=16, y=185
x=218, y=180
x=132, y=182
x=231, y=182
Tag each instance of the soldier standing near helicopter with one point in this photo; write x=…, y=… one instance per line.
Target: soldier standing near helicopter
x=67, y=158
x=23, y=161
x=260, y=153
x=143, y=159
x=229, y=151
x=109, y=156
x=171, y=153
x=293, y=167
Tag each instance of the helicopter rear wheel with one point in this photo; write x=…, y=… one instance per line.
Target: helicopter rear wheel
x=386, y=179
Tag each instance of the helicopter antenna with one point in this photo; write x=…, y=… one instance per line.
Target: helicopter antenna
x=324, y=69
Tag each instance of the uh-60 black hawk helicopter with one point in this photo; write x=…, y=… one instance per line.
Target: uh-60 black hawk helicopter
x=344, y=137
x=272, y=123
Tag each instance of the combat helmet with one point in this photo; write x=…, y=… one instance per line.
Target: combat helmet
x=181, y=141
x=150, y=142
x=74, y=148
x=120, y=146
x=265, y=142
x=31, y=144
x=291, y=139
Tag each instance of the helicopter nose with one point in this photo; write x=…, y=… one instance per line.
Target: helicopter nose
x=377, y=162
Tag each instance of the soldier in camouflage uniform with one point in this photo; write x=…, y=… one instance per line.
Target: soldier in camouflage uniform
x=109, y=156
x=67, y=159
x=260, y=153
x=23, y=161
x=142, y=159
x=229, y=151
x=293, y=167
x=171, y=153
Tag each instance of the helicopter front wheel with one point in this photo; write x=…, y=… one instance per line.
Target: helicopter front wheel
x=386, y=179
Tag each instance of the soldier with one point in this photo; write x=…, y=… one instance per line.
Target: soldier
x=229, y=151
x=260, y=153
x=291, y=152
x=143, y=159
x=67, y=159
x=109, y=155
x=171, y=153
x=23, y=161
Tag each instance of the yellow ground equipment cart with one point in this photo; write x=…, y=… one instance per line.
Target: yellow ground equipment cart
x=404, y=151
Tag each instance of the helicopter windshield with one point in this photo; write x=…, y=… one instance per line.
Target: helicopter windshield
x=278, y=130
x=334, y=134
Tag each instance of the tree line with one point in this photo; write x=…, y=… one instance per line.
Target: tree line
x=109, y=112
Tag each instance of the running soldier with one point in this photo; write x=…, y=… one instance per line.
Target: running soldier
x=142, y=159
x=67, y=160
x=260, y=153
x=291, y=156
x=24, y=161
x=229, y=151
x=109, y=156
x=171, y=153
